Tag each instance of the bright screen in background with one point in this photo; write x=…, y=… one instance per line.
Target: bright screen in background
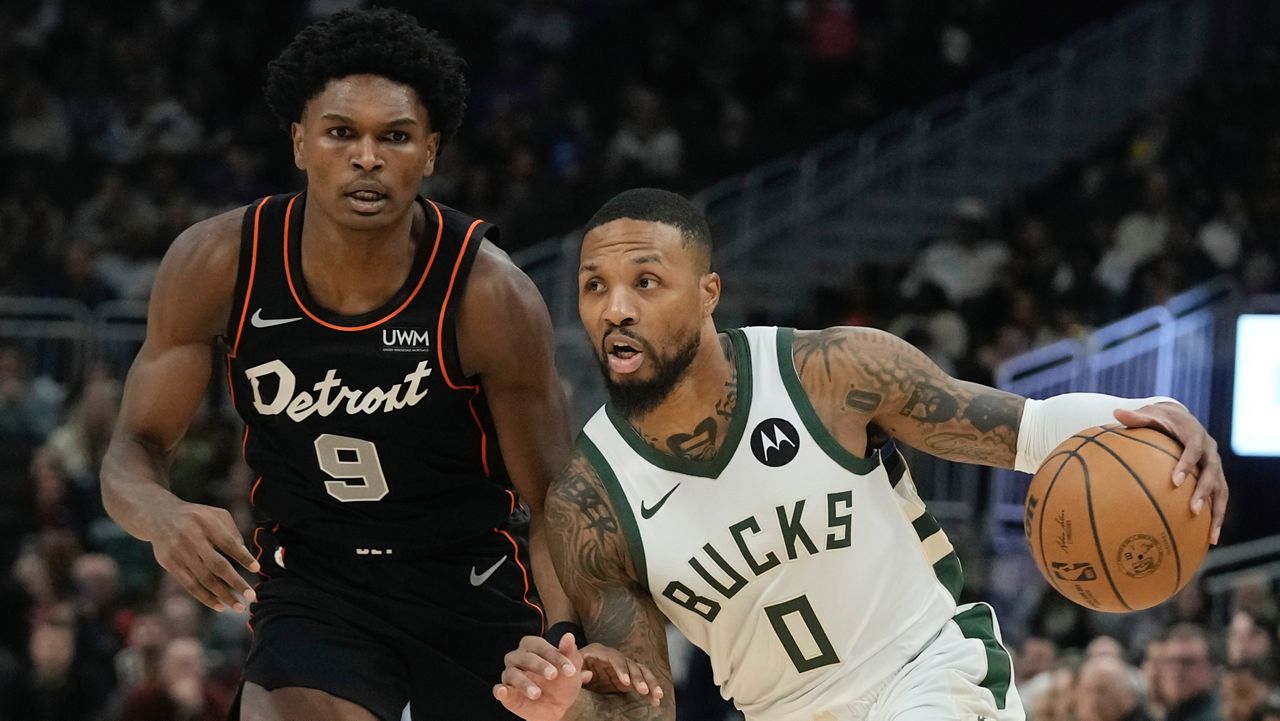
x=1255, y=415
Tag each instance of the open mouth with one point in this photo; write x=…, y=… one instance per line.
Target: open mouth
x=367, y=201
x=623, y=356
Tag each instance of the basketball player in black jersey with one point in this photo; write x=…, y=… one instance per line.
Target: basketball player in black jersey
x=394, y=372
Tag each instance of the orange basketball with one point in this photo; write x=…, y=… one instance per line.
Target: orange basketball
x=1106, y=525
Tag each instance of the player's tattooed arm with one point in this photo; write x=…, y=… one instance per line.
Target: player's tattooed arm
x=884, y=380
x=593, y=561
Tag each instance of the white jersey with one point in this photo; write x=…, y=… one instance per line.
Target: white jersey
x=808, y=574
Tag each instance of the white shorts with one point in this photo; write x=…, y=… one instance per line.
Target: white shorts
x=964, y=674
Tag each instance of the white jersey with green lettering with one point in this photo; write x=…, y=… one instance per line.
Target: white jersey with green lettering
x=808, y=574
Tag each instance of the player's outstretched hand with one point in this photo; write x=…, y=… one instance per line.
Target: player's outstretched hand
x=541, y=681
x=612, y=672
x=1199, y=459
x=194, y=546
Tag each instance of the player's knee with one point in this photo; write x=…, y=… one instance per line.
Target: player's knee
x=294, y=703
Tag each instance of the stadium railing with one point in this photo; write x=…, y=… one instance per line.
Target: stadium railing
x=1167, y=350
x=799, y=221
x=55, y=335
x=1239, y=565
x=877, y=194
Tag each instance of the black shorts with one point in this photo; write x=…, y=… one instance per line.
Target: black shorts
x=381, y=631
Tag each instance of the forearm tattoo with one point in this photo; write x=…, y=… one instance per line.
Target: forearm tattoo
x=588, y=550
x=884, y=377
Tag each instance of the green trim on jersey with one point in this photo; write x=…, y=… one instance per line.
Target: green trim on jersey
x=630, y=530
x=950, y=574
x=688, y=466
x=979, y=623
x=948, y=570
x=800, y=399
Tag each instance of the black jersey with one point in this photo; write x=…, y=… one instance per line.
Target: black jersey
x=363, y=429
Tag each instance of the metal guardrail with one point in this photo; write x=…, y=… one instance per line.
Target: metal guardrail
x=1166, y=350
x=1226, y=569
x=55, y=333
x=878, y=193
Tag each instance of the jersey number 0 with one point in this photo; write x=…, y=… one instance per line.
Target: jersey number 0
x=347, y=457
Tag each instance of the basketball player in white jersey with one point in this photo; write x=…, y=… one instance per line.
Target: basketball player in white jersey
x=730, y=487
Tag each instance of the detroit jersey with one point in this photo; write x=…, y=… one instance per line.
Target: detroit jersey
x=366, y=436
x=809, y=575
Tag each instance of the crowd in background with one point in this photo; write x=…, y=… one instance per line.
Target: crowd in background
x=120, y=128
x=1190, y=191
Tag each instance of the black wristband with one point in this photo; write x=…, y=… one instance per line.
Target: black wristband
x=558, y=630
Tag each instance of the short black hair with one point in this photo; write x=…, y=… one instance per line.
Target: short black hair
x=658, y=206
x=378, y=41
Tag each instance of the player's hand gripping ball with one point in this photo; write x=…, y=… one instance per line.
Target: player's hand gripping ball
x=1107, y=526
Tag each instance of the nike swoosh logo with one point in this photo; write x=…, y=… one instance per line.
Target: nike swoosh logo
x=479, y=578
x=647, y=513
x=259, y=322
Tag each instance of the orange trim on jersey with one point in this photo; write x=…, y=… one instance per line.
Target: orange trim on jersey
x=484, y=439
x=462, y=253
x=288, y=275
x=253, y=491
x=248, y=291
x=258, y=557
x=515, y=547
x=513, y=500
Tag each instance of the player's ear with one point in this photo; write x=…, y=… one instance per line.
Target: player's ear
x=710, y=287
x=433, y=151
x=299, y=155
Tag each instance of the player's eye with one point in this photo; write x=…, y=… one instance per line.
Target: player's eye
x=397, y=136
x=592, y=286
x=341, y=132
x=647, y=282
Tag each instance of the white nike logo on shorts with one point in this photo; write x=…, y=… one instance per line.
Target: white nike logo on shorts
x=259, y=322
x=479, y=578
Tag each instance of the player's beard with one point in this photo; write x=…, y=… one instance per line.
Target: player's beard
x=635, y=398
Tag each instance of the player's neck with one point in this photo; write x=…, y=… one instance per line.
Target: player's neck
x=353, y=271
x=693, y=420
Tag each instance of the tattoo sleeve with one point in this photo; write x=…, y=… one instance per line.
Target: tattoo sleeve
x=893, y=384
x=592, y=561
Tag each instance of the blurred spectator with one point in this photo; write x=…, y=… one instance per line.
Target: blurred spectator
x=76, y=278
x=80, y=442
x=1251, y=635
x=1139, y=236
x=943, y=331
x=968, y=263
x=1033, y=670
x=1109, y=690
x=181, y=690
x=1187, y=676
x=646, y=149
x=30, y=407
x=38, y=123
x=1152, y=664
x=1245, y=688
x=1104, y=646
x=58, y=686
x=138, y=663
x=56, y=503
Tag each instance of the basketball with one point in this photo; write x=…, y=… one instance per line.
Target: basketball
x=1107, y=527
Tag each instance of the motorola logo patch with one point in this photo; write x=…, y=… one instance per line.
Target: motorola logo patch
x=775, y=442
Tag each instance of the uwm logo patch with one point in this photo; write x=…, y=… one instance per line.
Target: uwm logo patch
x=405, y=340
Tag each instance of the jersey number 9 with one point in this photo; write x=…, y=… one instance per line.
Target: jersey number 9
x=346, y=457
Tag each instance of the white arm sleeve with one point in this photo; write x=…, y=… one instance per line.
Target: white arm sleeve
x=1051, y=421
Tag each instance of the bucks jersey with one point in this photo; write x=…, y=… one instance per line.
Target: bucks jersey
x=365, y=433
x=808, y=574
